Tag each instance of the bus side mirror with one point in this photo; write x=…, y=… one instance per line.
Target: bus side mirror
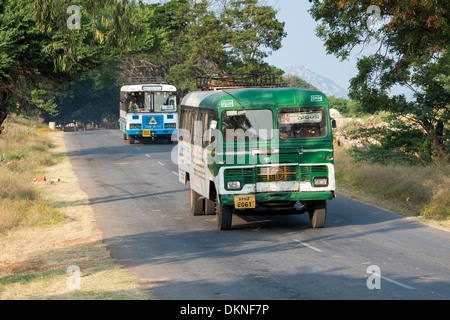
x=333, y=123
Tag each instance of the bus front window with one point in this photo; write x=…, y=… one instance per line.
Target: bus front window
x=251, y=124
x=165, y=102
x=302, y=123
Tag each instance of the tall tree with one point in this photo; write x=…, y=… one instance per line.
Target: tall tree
x=198, y=37
x=412, y=51
x=39, y=40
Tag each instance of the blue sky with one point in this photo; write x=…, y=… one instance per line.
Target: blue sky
x=302, y=46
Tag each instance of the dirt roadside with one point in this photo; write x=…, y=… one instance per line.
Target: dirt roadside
x=66, y=260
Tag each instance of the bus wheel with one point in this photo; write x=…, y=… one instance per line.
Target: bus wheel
x=131, y=139
x=224, y=215
x=210, y=207
x=196, y=204
x=124, y=136
x=317, y=214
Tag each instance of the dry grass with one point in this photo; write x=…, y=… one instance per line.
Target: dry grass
x=36, y=249
x=413, y=191
x=24, y=152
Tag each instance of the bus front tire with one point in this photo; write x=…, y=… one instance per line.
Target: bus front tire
x=124, y=136
x=318, y=213
x=224, y=215
x=131, y=139
x=196, y=204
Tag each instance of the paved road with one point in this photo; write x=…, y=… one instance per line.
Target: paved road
x=143, y=212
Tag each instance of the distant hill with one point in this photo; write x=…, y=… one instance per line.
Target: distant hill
x=327, y=86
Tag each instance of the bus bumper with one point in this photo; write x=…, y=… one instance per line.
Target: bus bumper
x=228, y=199
x=150, y=133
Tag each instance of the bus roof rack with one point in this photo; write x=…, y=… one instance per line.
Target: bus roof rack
x=145, y=80
x=240, y=80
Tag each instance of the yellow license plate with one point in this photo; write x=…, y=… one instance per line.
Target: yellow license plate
x=244, y=202
x=146, y=133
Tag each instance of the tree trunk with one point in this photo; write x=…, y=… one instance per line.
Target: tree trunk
x=41, y=116
x=434, y=134
x=3, y=110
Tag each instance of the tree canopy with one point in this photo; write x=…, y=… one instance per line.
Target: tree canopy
x=38, y=47
x=47, y=44
x=408, y=48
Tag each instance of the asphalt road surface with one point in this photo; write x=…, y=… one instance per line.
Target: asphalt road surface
x=143, y=211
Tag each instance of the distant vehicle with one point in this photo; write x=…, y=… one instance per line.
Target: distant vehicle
x=148, y=109
x=247, y=144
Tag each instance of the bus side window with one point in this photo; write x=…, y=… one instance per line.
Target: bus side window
x=190, y=124
x=205, y=128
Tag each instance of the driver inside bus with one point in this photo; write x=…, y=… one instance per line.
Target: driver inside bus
x=134, y=106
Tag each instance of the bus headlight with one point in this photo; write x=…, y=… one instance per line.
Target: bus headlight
x=234, y=185
x=320, y=181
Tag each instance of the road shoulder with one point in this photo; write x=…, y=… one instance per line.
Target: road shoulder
x=67, y=260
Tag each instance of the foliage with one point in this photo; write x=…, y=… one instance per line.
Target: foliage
x=396, y=142
x=294, y=81
x=193, y=38
x=89, y=100
x=348, y=108
x=37, y=46
x=412, y=52
x=178, y=39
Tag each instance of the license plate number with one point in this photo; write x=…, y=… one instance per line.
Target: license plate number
x=146, y=133
x=244, y=202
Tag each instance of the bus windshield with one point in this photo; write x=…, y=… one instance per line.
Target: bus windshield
x=251, y=124
x=151, y=102
x=165, y=102
x=302, y=122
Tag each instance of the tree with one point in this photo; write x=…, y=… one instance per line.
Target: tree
x=90, y=100
x=197, y=37
x=412, y=51
x=294, y=81
x=252, y=28
x=38, y=47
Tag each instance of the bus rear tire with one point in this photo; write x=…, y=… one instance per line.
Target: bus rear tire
x=196, y=204
x=318, y=213
x=224, y=215
x=124, y=136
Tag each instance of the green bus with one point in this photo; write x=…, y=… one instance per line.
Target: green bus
x=256, y=147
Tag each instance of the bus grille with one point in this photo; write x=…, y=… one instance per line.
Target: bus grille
x=275, y=173
x=306, y=172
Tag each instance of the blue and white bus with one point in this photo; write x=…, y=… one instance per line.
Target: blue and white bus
x=148, y=109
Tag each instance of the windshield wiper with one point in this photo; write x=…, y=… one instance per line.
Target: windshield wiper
x=238, y=101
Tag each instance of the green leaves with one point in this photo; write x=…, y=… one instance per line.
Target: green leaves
x=411, y=52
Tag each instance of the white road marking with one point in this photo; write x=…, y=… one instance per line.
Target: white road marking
x=308, y=246
x=138, y=148
x=148, y=156
x=396, y=282
x=175, y=173
x=161, y=164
